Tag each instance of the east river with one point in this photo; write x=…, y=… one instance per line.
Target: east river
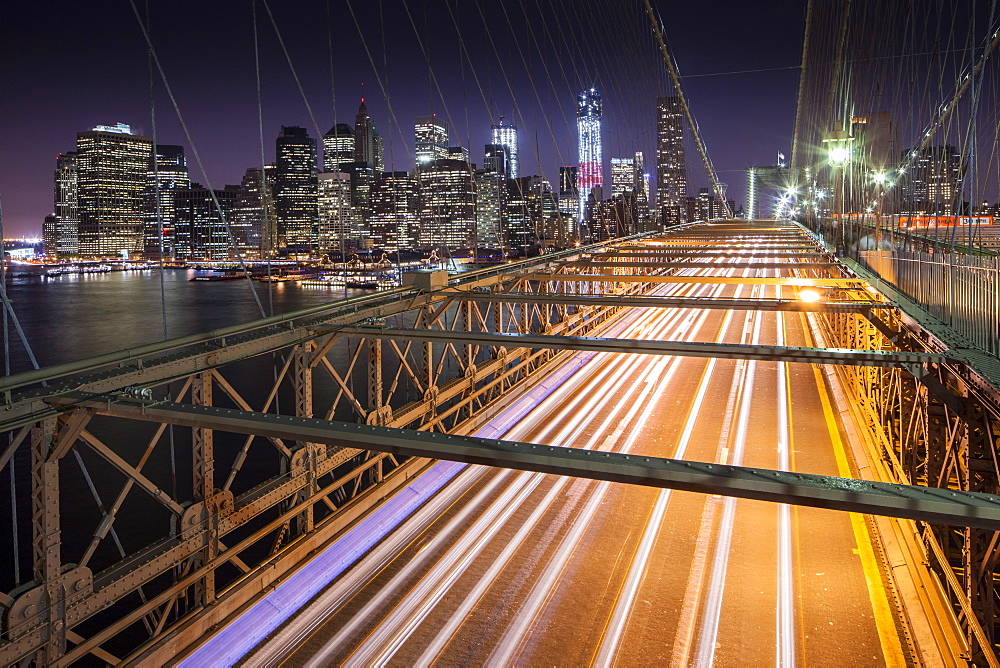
x=72, y=317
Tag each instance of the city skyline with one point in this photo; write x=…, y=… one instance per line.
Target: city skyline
x=223, y=121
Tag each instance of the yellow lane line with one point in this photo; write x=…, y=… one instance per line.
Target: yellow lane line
x=892, y=650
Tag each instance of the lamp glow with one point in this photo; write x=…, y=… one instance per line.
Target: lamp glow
x=839, y=155
x=809, y=296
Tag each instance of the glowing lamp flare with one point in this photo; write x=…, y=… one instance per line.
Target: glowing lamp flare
x=809, y=296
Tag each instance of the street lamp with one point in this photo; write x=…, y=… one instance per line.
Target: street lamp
x=838, y=144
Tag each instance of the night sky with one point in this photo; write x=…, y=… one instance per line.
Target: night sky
x=65, y=68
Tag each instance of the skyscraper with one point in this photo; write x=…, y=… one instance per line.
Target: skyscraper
x=431, y=139
x=252, y=218
x=338, y=147
x=491, y=196
x=63, y=239
x=495, y=159
x=335, y=213
x=506, y=135
x=159, y=212
x=112, y=168
x=364, y=139
x=569, y=197
x=588, y=137
x=379, y=149
x=200, y=231
x=622, y=176
x=395, y=205
x=448, y=205
x=671, y=172
x=295, y=189
x=933, y=183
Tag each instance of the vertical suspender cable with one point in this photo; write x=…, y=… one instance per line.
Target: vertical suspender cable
x=672, y=70
x=264, y=225
x=159, y=225
x=8, y=310
x=197, y=155
x=6, y=371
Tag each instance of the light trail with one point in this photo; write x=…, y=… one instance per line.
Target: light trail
x=685, y=631
x=623, y=607
x=708, y=638
x=514, y=492
x=512, y=640
x=296, y=630
x=416, y=607
x=785, y=623
x=241, y=636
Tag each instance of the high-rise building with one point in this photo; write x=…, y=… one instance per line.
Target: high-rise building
x=506, y=135
x=933, y=182
x=671, y=170
x=459, y=153
x=364, y=139
x=588, y=138
x=529, y=205
x=447, y=204
x=616, y=217
x=335, y=230
x=431, y=139
x=62, y=239
x=362, y=178
x=252, y=218
x=491, y=190
x=295, y=190
x=159, y=217
x=112, y=166
x=338, y=147
x=379, y=150
x=50, y=238
x=569, y=194
x=495, y=159
x=640, y=180
x=622, y=176
x=395, y=205
x=201, y=233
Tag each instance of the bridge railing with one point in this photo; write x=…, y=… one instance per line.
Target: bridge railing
x=958, y=284
x=963, y=291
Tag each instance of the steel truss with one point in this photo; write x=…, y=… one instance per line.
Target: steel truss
x=242, y=511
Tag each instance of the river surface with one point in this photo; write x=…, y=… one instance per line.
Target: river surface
x=72, y=317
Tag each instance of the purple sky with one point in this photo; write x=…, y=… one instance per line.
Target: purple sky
x=65, y=71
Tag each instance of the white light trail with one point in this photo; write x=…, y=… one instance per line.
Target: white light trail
x=623, y=606
x=720, y=563
x=785, y=626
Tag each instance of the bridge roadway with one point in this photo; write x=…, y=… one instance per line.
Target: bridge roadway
x=507, y=567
